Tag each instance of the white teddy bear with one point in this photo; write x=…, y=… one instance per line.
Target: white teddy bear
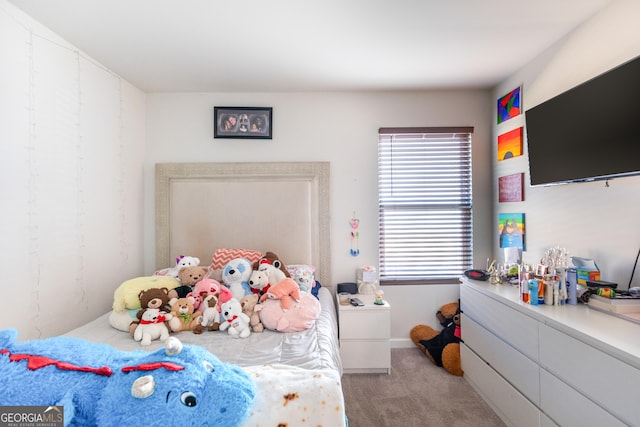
x=235, y=276
x=234, y=320
x=152, y=326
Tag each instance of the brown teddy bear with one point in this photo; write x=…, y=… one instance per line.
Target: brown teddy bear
x=248, y=303
x=188, y=277
x=442, y=347
x=185, y=318
x=154, y=298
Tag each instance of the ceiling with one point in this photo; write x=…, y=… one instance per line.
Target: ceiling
x=311, y=45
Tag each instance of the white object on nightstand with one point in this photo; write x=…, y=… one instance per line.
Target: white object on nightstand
x=365, y=334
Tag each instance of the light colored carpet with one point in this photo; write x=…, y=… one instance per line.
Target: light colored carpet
x=416, y=394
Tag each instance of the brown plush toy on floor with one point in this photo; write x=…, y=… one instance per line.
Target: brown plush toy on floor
x=442, y=347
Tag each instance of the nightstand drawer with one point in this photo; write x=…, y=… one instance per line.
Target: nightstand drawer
x=365, y=324
x=365, y=354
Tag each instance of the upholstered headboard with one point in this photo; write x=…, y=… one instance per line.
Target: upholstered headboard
x=279, y=207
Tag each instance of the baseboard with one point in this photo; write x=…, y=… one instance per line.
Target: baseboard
x=401, y=343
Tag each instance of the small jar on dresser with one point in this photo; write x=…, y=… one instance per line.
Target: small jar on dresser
x=365, y=333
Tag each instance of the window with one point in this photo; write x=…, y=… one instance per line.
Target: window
x=424, y=204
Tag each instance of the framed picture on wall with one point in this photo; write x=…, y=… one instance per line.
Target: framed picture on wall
x=511, y=188
x=511, y=229
x=509, y=105
x=243, y=122
x=510, y=144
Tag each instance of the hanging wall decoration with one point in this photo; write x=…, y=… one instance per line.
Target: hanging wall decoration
x=509, y=105
x=511, y=229
x=510, y=144
x=355, y=235
x=511, y=188
x=243, y=122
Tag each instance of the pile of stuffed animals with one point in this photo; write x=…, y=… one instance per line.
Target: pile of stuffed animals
x=244, y=297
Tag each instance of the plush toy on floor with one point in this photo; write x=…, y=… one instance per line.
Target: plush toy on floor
x=96, y=385
x=442, y=347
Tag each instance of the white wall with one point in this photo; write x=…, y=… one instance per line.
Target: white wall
x=589, y=219
x=340, y=128
x=71, y=153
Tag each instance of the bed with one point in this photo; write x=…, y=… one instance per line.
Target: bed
x=279, y=207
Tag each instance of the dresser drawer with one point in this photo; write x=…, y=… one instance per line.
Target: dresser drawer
x=522, y=372
x=602, y=379
x=568, y=408
x=517, y=329
x=506, y=401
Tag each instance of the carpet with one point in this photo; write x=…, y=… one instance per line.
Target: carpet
x=416, y=394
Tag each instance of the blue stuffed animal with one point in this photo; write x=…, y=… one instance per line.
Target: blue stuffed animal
x=100, y=386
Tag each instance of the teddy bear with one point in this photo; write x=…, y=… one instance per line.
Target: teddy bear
x=442, y=347
x=184, y=316
x=235, y=276
x=126, y=296
x=235, y=322
x=248, y=304
x=284, y=290
x=210, y=315
x=272, y=259
x=207, y=286
x=152, y=326
x=155, y=299
x=188, y=277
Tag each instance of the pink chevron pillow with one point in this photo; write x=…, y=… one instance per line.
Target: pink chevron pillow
x=222, y=256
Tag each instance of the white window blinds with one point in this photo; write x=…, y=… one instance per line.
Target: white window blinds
x=424, y=204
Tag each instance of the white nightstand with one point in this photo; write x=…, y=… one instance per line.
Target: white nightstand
x=365, y=336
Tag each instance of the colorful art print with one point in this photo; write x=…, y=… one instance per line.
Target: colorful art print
x=242, y=122
x=511, y=188
x=510, y=144
x=509, y=106
x=511, y=230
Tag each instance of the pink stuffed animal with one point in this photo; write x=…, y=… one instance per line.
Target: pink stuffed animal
x=208, y=286
x=283, y=290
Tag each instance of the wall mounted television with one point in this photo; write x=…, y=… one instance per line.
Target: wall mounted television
x=587, y=133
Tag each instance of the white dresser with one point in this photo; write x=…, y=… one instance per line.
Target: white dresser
x=365, y=334
x=549, y=365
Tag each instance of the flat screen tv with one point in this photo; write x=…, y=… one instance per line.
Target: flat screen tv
x=589, y=132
